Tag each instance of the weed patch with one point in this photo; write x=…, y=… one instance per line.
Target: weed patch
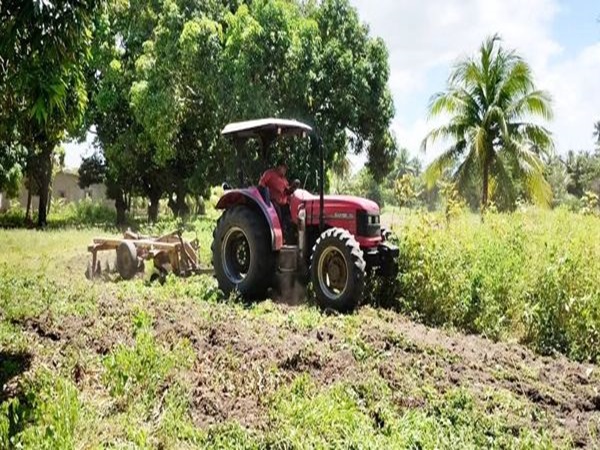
x=140, y=371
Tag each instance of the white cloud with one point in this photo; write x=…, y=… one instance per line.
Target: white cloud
x=426, y=37
x=575, y=86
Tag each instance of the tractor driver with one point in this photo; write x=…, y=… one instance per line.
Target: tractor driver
x=279, y=190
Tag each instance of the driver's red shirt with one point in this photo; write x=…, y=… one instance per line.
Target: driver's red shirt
x=277, y=186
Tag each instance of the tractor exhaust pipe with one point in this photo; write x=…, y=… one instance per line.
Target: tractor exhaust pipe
x=319, y=143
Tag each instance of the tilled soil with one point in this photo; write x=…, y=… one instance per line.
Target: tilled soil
x=243, y=358
x=234, y=372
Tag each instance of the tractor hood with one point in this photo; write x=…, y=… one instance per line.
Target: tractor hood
x=336, y=203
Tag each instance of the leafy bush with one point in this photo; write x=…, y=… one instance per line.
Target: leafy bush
x=530, y=275
x=85, y=212
x=81, y=214
x=13, y=218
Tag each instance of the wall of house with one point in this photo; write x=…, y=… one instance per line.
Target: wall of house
x=64, y=189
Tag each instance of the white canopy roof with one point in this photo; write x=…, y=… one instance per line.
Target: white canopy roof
x=254, y=128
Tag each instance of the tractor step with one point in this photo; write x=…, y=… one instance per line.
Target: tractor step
x=287, y=261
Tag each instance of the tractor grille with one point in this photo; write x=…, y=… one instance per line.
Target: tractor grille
x=367, y=225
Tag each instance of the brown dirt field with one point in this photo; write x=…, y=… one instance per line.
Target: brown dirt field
x=566, y=391
x=242, y=359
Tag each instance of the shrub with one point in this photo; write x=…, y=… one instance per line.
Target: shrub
x=530, y=275
x=85, y=212
x=81, y=214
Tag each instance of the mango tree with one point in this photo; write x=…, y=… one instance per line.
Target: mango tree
x=44, y=47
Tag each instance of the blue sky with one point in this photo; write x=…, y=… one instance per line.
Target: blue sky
x=577, y=24
x=561, y=40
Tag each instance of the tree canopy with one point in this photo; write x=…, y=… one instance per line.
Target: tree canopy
x=44, y=47
x=167, y=77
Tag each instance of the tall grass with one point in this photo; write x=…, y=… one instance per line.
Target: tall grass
x=531, y=275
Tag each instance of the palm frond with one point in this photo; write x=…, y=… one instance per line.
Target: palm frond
x=518, y=80
x=480, y=143
x=449, y=102
x=465, y=172
x=504, y=184
x=495, y=115
x=454, y=130
x=531, y=170
x=536, y=135
x=445, y=161
x=535, y=103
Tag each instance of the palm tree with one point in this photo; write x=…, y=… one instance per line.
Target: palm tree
x=489, y=99
x=597, y=133
x=405, y=164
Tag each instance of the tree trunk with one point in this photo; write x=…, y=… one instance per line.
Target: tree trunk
x=177, y=202
x=183, y=210
x=153, y=208
x=484, y=193
x=44, y=179
x=200, y=205
x=172, y=205
x=486, y=178
x=28, y=210
x=121, y=207
x=49, y=196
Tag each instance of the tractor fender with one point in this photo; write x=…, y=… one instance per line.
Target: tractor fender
x=252, y=197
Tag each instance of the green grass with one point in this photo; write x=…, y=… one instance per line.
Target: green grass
x=115, y=364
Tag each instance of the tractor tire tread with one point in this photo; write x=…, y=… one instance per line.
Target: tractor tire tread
x=259, y=278
x=350, y=300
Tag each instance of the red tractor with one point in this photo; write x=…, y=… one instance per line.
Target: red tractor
x=337, y=240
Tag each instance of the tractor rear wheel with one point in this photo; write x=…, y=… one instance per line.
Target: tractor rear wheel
x=337, y=271
x=241, y=253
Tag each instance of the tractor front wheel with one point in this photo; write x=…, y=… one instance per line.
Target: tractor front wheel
x=337, y=271
x=242, y=255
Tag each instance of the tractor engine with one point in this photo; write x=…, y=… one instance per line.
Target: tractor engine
x=359, y=216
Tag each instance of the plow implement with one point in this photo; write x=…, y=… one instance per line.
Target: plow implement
x=170, y=253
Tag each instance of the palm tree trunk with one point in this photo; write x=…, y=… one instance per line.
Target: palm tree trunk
x=485, y=184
